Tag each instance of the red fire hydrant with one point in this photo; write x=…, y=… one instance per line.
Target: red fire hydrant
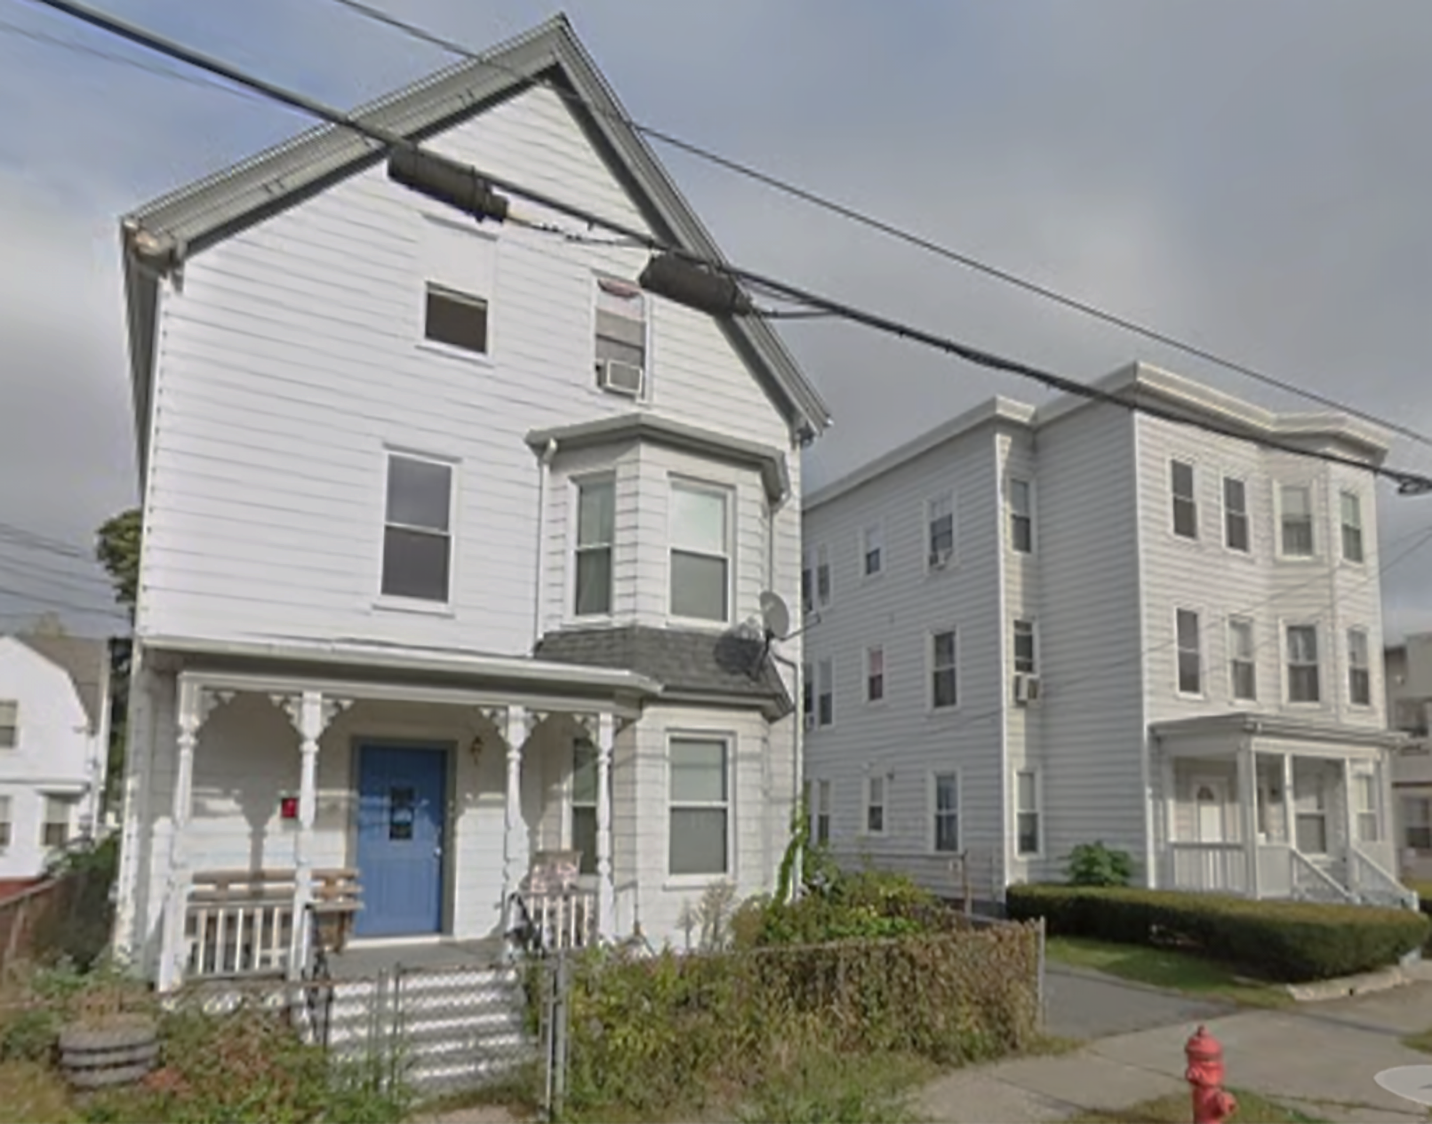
x=1211, y=1105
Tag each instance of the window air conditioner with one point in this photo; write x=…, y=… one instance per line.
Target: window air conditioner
x=1026, y=689
x=620, y=378
x=939, y=559
x=810, y=721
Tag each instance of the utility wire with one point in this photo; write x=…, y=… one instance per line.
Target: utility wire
x=20, y=536
x=1407, y=482
x=57, y=603
x=885, y=227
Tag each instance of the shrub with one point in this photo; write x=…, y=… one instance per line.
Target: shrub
x=1277, y=940
x=860, y=905
x=77, y=929
x=819, y=1087
x=1093, y=864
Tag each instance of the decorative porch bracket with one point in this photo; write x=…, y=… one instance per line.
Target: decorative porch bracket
x=193, y=707
x=310, y=713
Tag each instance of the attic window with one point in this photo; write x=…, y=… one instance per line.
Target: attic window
x=620, y=333
x=456, y=319
x=9, y=723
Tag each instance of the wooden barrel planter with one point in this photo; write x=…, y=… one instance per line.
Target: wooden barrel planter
x=114, y=1052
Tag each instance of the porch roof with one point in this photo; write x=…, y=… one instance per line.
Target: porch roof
x=363, y=669
x=1233, y=724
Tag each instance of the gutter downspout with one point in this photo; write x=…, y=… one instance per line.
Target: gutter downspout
x=798, y=766
x=544, y=471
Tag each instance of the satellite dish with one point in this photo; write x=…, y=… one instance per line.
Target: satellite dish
x=774, y=614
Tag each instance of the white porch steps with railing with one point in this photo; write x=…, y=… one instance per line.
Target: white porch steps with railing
x=1283, y=871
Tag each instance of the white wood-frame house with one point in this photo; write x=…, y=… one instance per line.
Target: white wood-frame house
x=1030, y=629
x=452, y=537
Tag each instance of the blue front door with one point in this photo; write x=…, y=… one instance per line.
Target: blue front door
x=401, y=802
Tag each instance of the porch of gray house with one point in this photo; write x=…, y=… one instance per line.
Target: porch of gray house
x=1273, y=822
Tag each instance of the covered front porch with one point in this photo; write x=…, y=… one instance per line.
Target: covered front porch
x=1277, y=808
x=379, y=817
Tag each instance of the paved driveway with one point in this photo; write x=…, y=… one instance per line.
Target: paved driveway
x=1082, y=1004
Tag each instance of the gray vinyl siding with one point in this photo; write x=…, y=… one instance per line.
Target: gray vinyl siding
x=1091, y=716
x=900, y=737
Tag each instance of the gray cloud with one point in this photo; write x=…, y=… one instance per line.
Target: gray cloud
x=1250, y=178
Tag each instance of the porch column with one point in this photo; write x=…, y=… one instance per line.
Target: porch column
x=606, y=887
x=1349, y=826
x=1289, y=834
x=1248, y=809
x=516, y=734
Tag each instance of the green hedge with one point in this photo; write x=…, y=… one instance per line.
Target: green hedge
x=1277, y=940
x=1424, y=903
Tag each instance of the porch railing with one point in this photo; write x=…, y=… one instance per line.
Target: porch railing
x=1373, y=884
x=1210, y=867
x=1312, y=883
x=1275, y=870
x=565, y=919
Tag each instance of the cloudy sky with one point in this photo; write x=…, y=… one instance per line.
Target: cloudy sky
x=1253, y=178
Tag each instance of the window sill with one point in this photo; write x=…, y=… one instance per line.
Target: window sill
x=462, y=355
x=700, y=624
x=695, y=881
x=414, y=605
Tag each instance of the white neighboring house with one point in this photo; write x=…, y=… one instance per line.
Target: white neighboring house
x=451, y=535
x=1034, y=628
x=1409, y=706
x=54, y=746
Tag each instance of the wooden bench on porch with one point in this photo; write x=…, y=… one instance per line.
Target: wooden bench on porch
x=240, y=922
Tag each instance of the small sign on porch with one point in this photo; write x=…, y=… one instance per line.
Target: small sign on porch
x=288, y=805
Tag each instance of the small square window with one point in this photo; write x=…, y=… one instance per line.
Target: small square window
x=456, y=319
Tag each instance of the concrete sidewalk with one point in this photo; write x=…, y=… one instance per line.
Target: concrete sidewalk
x=1320, y=1058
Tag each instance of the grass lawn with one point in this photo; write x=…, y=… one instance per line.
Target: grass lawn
x=1160, y=967
x=1421, y=1041
x=1175, y=1109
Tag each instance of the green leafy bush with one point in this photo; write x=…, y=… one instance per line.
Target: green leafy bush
x=1276, y=940
x=859, y=905
x=1093, y=864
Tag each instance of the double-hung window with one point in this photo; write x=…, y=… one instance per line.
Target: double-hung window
x=807, y=692
x=807, y=581
x=1242, y=668
x=1026, y=796
x=1304, y=681
x=940, y=529
x=1417, y=822
x=825, y=693
x=818, y=809
x=1024, y=661
x=9, y=723
x=700, y=806
x=417, y=531
x=1350, y=504
x=1021, y=516
x=945, y=810
x=583, y=827
x=1359, y=671
x=1185, y=504
x=875, y=805
x=458, y=263
x=596, y=522
x=1190, y=653
x=872, y=550
x=874, y=673
x=1297, y=520
x=700, y=552
x=55, y=831
x=7, y=823
x=822, y=575
x=1365, y=789
x=944, y=674
x=620, y=335
x=1235, y=515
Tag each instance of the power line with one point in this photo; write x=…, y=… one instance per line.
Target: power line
x=22, y=537
x=806, y=195
x=31, y=572
x=1408, y=483
x=56, y=603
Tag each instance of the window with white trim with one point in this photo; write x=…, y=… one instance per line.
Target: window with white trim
x=875, y=805
x=1359, y=670
x=582, y=829
x=1235, y=515
x=945, y=808
x=1304, y=680
x=7, y=823
x=1185, y=503
x=700, y=807
x=455, y=318
x=940, y=529
x=807, y=580
x=1365, y=789
x=1296, y=516
x=700, y=551
x=1410, y=716
x=1417, y=822
x=1190, y=652
x=818, y=809
x=417, y=529
x=457, y=264
x=874, y=673
x=822, y=575
x=944, y=673
x=825, y=697
x=55, y=830
x=1350, y=505
x=872, y=550
x=1310, y=804
x=596, y=528
x=1021, y=516
x=808, y=691
x=620, y=324
x=1026, y=797
x=1024, y=654
x=9, y=723
x=1242, y=667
